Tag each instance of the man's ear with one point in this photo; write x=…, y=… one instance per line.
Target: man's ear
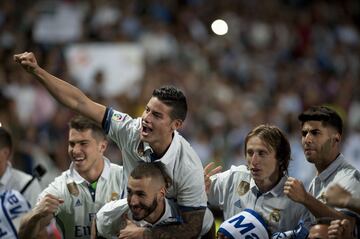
x=176, y=124
x=103, y=145
x=163, y=191
x=337, y=137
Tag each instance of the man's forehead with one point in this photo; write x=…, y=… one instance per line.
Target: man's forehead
x=311, y=125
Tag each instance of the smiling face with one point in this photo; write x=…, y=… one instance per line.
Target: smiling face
x=157, y=125
x=143, y=199
x=319, y=143
x=262, y=162
x=86, y=153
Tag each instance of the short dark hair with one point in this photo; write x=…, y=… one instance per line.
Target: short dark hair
x=5, y=139
x=173, y=97
x=324, y=114
x=152, y=170
x=275, y=138
x=82, y=123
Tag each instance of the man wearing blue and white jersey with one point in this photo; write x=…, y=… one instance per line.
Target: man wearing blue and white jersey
x=149, y=138
x=259, y=185
x=12, y=206
x=145, y=206
x=75, y=197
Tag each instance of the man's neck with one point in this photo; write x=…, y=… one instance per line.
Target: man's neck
x=324, y=164
x=155, y=216
x=160, y=148
x=268, y=184
x=94, y=173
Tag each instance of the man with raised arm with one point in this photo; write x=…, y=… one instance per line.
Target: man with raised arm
x=151, y=137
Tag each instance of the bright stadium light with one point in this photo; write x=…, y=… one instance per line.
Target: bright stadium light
x=219, y=27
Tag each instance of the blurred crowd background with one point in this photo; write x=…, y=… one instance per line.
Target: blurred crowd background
x=278, y=58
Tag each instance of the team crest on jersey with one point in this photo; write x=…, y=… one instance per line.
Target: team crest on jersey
x=275, y=215
x=114, y=196
x=117, y=116
x=243, y=188
x=73, y=189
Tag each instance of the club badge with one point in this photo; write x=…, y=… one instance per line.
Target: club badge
x=275, y=215
x=243, y=188
x=114, y=196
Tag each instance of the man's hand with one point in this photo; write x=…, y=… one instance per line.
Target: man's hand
x=209, y=170
x=295, y=190
x=132, y=231
x=340, y=229
x=27, y=60
x=48, y=205
x=337, y=196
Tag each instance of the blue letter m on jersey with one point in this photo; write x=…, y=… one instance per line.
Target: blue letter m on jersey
x=244, y=228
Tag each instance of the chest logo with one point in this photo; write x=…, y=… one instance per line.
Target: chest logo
x=114, y=196
x=275, y=215
x=243, y=188
x=78, y=203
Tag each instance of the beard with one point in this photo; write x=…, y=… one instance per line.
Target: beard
x=146, y=210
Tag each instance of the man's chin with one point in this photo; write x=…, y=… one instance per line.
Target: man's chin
x=137, y=218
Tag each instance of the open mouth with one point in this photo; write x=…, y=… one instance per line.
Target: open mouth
x=136, y=210
x=78, y=159
x=255, y=171
x=146, y=130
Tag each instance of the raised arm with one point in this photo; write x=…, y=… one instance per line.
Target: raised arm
x=33, y=223
x=65, y=93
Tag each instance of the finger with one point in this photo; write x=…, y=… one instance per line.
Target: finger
x=215, y=171
x=208, y=167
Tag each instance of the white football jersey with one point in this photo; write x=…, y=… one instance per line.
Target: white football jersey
x=234, y=190
x=16, y=179
x=81, y=202
x=340, y=172
x=180, y=160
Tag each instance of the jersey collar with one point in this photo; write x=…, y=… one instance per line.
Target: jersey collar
x=324, y=175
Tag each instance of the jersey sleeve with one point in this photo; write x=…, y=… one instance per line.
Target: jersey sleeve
x=220, y=184
x=108, y=218
x=57, y=189
x=117, y=125
x=217, y=188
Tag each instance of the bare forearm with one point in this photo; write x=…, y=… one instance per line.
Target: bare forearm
x=319, y=209
x=191, y=228
x=32, y=225
x=69, y=95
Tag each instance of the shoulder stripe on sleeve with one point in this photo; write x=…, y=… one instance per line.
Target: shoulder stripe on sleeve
x=107, y=119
